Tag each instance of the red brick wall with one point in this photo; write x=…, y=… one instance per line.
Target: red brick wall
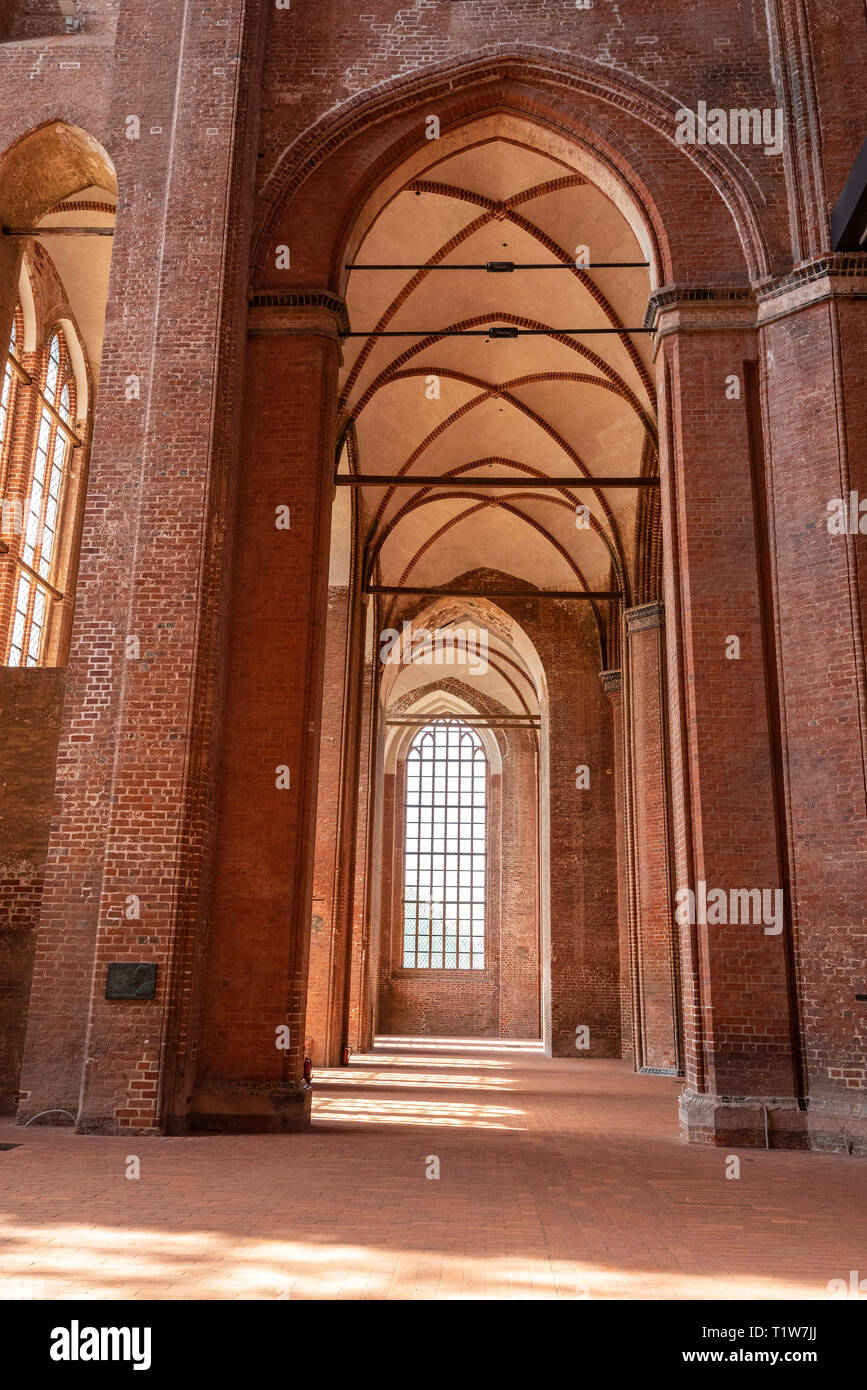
x=520, y=962
x=257, y=974
x=818, y=366
x=30, y=704
x=322, y=930
x=656, y=944
x=135, y=764
x=362, y=994
x=739, y=1020
x=613, y=687
x=140, y=770
x=585, y=954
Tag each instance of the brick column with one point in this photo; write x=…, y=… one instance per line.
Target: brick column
x=248, y=1078
x=656, y=945
x=124, y=872
x=364, y=976
x=519, y=932
x=585, y=983
x=612, y=684
x=815, y=403
x=342, y=1028
x=740, y=1035
x=323, y=927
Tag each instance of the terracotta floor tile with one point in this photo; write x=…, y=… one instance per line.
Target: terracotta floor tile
x=558, y=1179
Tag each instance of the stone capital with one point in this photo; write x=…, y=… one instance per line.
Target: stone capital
x=647, y=615
x=298, y=313
x=699, y=309
x=840, y=275
x=612, y=681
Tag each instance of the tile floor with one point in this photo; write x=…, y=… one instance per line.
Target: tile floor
x=557, y=1179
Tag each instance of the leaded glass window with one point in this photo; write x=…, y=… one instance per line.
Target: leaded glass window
x=44, y=505
x=8, y=388
x=445, y=852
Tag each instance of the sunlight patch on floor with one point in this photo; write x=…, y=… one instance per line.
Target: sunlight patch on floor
x=452, y=1081
x=375, y=1111
x=101, y=1263
x=421, y=1044
x=387, y=1059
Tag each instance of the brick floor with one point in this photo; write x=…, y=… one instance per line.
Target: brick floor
x=558, y=1179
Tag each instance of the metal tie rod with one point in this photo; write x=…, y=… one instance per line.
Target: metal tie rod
x=410, y=480
x=493, y=593
x=503, y=722
x=58, y=231
x=507, y=267
x=496, y=332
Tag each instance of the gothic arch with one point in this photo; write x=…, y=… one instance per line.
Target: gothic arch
x=370, y=136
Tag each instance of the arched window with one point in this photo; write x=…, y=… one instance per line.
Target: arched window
x=44, y=504
x=444, y=857
x=7, y=395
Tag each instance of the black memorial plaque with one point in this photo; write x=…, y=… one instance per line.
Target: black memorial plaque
x=130, y=980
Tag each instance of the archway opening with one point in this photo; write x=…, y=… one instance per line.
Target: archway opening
x=494, y=380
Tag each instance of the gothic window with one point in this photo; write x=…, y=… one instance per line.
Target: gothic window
x=7, y=394
x=445, y=851
x=44, y=508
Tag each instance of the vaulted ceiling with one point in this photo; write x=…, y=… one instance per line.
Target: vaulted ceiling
x=563, y=404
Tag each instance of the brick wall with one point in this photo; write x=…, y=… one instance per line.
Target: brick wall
x=156, y=790
x=30, y=704
x=323, y=927
x=824, y=578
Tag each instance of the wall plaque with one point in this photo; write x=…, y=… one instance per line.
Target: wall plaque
x=130, y=980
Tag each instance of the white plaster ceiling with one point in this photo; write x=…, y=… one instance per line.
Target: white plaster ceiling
x=83, y=263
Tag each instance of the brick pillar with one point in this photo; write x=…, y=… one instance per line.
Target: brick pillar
x=815, y=399
x=364, y=978
x=656, y=945
x=260, y=920
x=585, y=983
x=124, y=869
x=337, y=997
x=342, y=1027
x=739, y=1023
x=612, y=685
x=323, y=924
x=519, y=911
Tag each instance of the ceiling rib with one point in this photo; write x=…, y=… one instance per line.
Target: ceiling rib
x=438, y=592
x=444, y=480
